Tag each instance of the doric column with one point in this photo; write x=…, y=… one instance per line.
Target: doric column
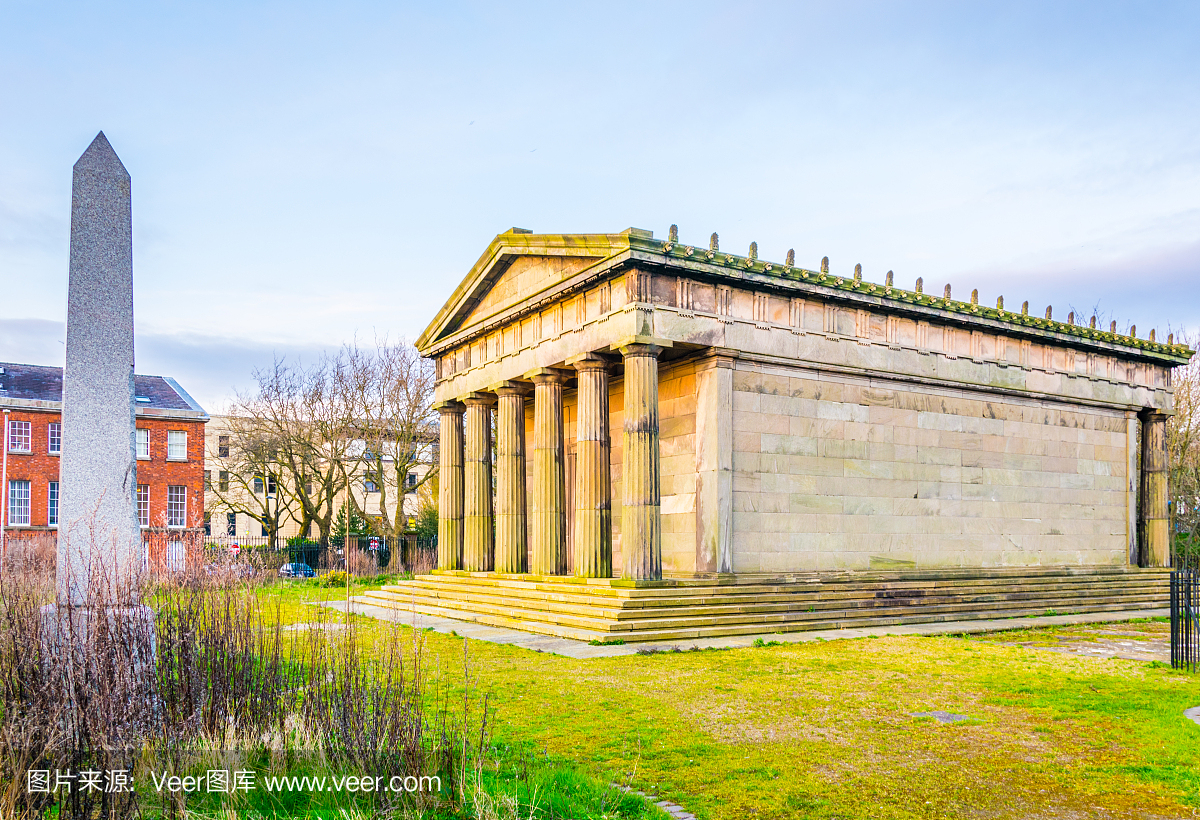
x=510, y=478
x=1156, y=541
x=641, y=522
x=593, y=481
x=477, y=484
x=450, y=486
x=547, y=497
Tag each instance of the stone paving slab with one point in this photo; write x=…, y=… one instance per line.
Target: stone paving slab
x=578, y=649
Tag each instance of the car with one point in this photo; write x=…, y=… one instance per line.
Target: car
x=295, y=570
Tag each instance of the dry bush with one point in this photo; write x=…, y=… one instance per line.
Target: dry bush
x=80, y=691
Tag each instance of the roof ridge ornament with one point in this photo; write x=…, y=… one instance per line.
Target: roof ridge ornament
x=713, y=242
x=753, y=250
x=673, y=234
x=825, y=264
x=791, y=257
x=887, y=281
x=858, y=272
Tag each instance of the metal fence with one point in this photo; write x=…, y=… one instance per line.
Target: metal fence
x=359, y=555
x=1185, y=619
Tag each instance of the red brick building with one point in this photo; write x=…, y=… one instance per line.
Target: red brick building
x=170, y=454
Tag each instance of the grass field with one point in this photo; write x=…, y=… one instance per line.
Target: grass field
x=823, y=729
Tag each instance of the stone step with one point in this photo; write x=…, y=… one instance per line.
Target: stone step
x=1084, y=587
x=605, y=587
x=756, y=604
x=586, y=634
x=602, y=620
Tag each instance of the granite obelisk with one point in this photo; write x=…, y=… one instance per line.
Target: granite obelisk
x=99, y=542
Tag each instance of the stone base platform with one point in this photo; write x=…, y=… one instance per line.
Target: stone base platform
x=691, y=608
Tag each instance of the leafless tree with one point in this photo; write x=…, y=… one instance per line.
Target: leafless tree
x=1183, y=442
x=249, y=480
x=389, y=391
x=293, y=429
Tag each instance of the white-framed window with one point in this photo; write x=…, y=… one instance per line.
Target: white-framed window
x=18, y=503
x=176, y=557
x=143, y=442
x=143, y=504
x=52, y=505
x=20, y=436
x=370, y=486
x=177, y=445
x=176, y=505
x=54, y=437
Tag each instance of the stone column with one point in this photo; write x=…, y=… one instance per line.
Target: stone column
x=100, y=548
x=477, y=485
x=547, y=515
x=450, y=486
x=1156, y=542
x=641, y=500
x=593, y=480
x=510, y=478
x=714, y=462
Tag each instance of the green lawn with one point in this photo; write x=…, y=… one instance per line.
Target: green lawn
x=823, y=730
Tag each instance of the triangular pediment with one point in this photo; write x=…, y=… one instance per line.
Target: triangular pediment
x=519, y=268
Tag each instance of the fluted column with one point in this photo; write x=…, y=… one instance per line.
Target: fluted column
x=450, y=486
x=593, y=481
x=1156, y=550
x=547, y=520
x=510, y=478
x=477, y=484
x=641, y=522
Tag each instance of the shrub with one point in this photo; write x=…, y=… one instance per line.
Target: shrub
x=336, y=578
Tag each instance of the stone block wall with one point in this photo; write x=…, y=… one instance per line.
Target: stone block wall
x=839, y=472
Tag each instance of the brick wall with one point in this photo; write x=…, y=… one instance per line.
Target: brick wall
x=40, y=468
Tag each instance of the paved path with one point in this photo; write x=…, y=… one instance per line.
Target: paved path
x=578, y=649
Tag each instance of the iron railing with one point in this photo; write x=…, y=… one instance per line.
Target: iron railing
x=359, y=555
x=1185, y=619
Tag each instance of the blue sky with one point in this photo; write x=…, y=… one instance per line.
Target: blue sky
x=306, y=173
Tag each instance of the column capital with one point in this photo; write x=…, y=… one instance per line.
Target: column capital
x=641, y=345
x=547, y=375
x=588, y=361
x=510, y=388
x=449, y=408
x=478, y=399
x=717, y=357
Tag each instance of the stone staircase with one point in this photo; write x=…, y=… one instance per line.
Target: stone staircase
x=681, y=609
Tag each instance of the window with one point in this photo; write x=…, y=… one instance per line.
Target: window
x=52, y=505
x=258, y=484
x=270, y=485
x=176, y=505
x=54, y=437
x=143, y=443
x=223, y=481
x=265, y=531
x=208, y=523
x=143, y=504
x=177, y=445
x=222, y=446
x=231, y=524
x=18, y=503
x=20, y=436
x=370, y=486
x=176, y=556
x=208, y=479
x=411, y=480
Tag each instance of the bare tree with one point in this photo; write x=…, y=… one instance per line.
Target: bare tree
x=389, y=390
x=1183, y=442
x=248, y=477
x=299, y=411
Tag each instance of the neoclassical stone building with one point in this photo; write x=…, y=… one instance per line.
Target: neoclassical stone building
x=671, y=410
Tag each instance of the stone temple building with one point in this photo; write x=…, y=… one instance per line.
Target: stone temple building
x=628, y=419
